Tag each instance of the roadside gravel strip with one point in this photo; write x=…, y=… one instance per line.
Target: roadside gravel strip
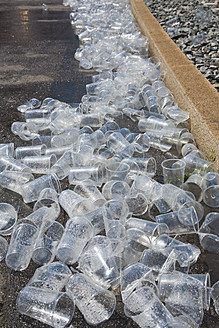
x=193, y=26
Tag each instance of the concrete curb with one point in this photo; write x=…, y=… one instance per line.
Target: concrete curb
x=190, y=88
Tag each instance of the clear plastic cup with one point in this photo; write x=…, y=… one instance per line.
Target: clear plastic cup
x=13, y=180
x=138, y=204
x=142, y=166
x=3, y=248
x=135, y=276
x=31, y=190
x=99, y=262
x=211, y=196
x=194, y=185
x=209, y=232
x=115, y=210
x=47, y=243
x=40, y=164
x=8, y=218
x=50, y=307
x=94, y=302
x=116, y=171
x=78, y=232
x=145, y=308
x=21, y=246
x=48, y=197
x=37, y=150
x=215, y=296
x=88, y=189
x=94, y=173
x=11, y=164
x=173, y=171
x=116, y=189
x=7, y=149
x=52, y=276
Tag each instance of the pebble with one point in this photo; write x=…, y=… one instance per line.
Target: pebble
x=194, y=18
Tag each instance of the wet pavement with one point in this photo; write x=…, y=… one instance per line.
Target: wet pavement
x=37, y=61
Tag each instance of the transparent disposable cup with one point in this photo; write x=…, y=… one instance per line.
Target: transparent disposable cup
x=11, y=164
x=184, y=209
x=26, y=131
x=195, y=164
x=143, y=166
x=183, y=292
x=116, y=171
x=42, y=140
x=138, y=204
x=88, y=189
x=187, y=148
x=116, y=189
x=47, y=243
x=7, y=149
x=13, y=180
x=48, y=197
x=64, y=163
x=37, y=150
x=117, y=234
x=210, y=179
x=154, y=259
x=74, y=204
x=58, y=151
x=194, y=184
x=68, y=137
x=21, y=246
x=145, y=308
x=32, y=189
x=135, y=276
x=8, y=218
x=32, y=103
x=50, y=307
x=52, y=276
x=173, y=171
x=3, y=248
x=95, y=303
x=141, y=143
x=205, y=282
x=109, y=126
x=116, y=142
x=157, y=207
x=180, y=222
x=96, y=219
x=150, y=229
x=215, y=296
x=211, y=196
x=78, y=232
x=99, y=262
x=115, y=210
x=94, y=173
x=209, y=232
x=40, y=164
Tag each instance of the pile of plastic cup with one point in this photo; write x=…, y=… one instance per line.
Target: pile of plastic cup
x=123, y=225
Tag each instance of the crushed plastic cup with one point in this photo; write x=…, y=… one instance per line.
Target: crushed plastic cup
x=99, y=262
x=31, y=190
x=94, y=302
x=173, y=171
x=40, y=164
x=3, y=248
x=8, y=218
x=52, y=276
x=48, y=306
x=47, y=243
x=78, y=231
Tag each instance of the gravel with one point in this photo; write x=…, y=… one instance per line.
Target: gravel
x=193, y=25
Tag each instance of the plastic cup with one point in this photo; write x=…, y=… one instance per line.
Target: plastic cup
x=215, y=296
x=209, y=232
x=48, y=197
x=145, y=308
x=3, y=248
x=115, y=189
x=211, y=196
x=173, y=171
x=64, y=163
x=194, y=184
x=31, y=190
x=50, y=307
x=135, y=276
x=88, y=189
x=95, y=303
x=94, y=173
x=99, y=262
x=7, y=149
x=115, y=210
x=137, y=204
x=78, y=232
x=116, y=171
x=116, y=142
x=40, y=164
x=47, y=243
x=52, y=276
x=13, y=180
x=8, y=219
x=21, y=246
x=37, y=150
x=205, y=282
x=11, y=164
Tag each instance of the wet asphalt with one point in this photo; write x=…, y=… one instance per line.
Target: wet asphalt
x=37, y=61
